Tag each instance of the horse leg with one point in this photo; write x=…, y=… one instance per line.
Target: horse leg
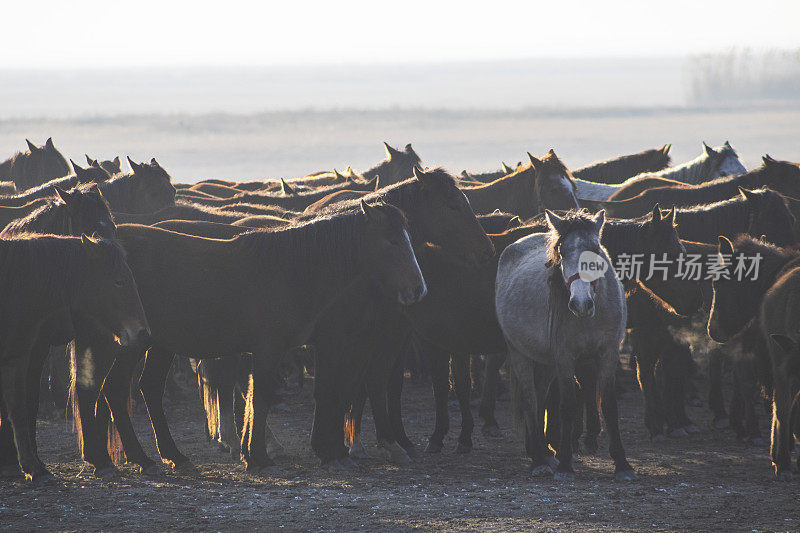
x=461, y=379
x=152, y=383
x=36, y=361
x=118, y=396
x=440, y=378
x=260, y=396
x=9, y=463
x=588, y=381
x=377, y=391
x=491, y=381
x=675, y=367
x=565, y=376
x=327, y=430
x=608, y=404
x=394, y=402
x=14, y=384
x=352, y=425
x=780, y=448
x=527, y=380
x=646, y=360
x=716, y=401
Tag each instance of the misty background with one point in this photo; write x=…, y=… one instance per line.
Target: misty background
x=242, y=91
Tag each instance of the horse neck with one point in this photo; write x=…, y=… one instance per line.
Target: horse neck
x=624, y=237
x=727, y=218
x=6, y=168
x=46, y=189
x=53, y=219
x=514, y=191
x=326, y=257
x=117, y=192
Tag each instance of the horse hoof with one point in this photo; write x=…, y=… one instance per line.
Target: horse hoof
x=658, y=438
x=784, y=475
x=758, y=442
x=551, y=461
x=411, y=450
x=722, y=423
x=333, y=465
x=433, y=447
x=691, y=428
x=463, y=448
x=626, y=475
x=268, y=471
x=42, y=479
x=541, y=471
x=107, y=472
x=492, y=432
x=678, y=432
x=357, y=451
x=152, y=470
x=184, y=467
x=398, y=456
x=564, y=476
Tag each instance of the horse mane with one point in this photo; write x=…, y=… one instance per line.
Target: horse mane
x=773, y=258
x=658, y=159
x=53, y=216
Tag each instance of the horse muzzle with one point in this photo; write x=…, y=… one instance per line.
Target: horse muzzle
x=581, y=308
x=133, y=336
x=412, y=295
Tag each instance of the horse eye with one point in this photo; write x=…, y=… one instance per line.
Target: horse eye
x=119, y=283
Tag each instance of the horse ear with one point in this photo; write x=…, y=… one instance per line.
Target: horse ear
x=708, y=150
x=370, y=212
x=135, y=167
x=32, y=147
x=507, y=169
x=747, y=194
x=554, y=221
x=115, y=161
x=464, y=174
x=656, y=214
x=409, y=149
x=666, y=148
x=338, y=176
x=286, y=189
x=599, y=219
x=514, y=222
x=768, y=160
x=81, y=173
x=390, y=152
x=49, y=143
x=670, y=218
x=725, y=246
x=787, y=344
x=88, y=159
x=551, y=153
x=96, y=164
x=727, y=145
x=64, y=195
x=535, y=163
x=154, y=162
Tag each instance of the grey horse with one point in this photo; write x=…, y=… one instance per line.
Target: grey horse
x=560, y=304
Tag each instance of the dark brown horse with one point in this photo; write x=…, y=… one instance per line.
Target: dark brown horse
x=780, y=176
x=770, y=300
x=182, y=210
x=81, y=175
x=618, y=169
x=112, y=166
x=263, y=293
x=37, y=165
x=42, y=275
x=524, y=192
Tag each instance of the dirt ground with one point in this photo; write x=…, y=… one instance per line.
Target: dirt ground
x=706, y=481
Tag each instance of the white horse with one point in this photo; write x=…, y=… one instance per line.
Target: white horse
x=712, y=163
x=560, y=304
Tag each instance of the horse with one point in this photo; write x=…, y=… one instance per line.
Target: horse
x=112, y=166
x=398, y=165
x=92, y=174
x=265, y=307
x=544, y=182
x=780, y=176
x=37, y=165
x=182, y=210
x=711, y=164
x=618, y=169
x=147, y=188
x=552, y=317
x=42, y=275
x=77, y=212
x=769, y=301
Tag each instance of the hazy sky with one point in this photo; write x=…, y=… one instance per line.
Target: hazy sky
x=98, y=33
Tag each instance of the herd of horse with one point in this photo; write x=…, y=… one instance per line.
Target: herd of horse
x=352, y=276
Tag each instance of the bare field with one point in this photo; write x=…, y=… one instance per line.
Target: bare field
x=288, y=144
x=706, y=481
